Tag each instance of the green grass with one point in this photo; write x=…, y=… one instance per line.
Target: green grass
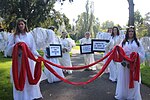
x=6, y=86
x=145, y=74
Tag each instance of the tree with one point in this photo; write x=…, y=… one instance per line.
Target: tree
x=131, y=13
x=138, y=20
x=56, y=20
x=96, y=26
x=87, y=22
x=147, y=23
x=35, y=11
x=62, y=1
x=107, y=24
x=81, y=26
x=142, y=24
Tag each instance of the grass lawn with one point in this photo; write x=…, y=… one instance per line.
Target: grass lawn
x=145, y=74
x=6, y=87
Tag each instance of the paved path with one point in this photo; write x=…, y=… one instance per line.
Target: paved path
x=100, y=89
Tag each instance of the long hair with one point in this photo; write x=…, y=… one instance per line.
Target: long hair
x=17, y=30
x=113, y=31
x=127, y=37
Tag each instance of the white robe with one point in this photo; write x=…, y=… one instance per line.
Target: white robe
x=3, y=40
x=122, y=89
x=88, y=58
x=30, y=92
x=9, y=36
x=65, y=60
x=113, y=66
x=104, y=36
x=50, y=76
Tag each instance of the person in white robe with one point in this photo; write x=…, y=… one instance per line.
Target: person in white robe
x=88, y=58
x=30, y=92
x=146, y=44
x=65, y=60
x=104, y=36
x=130, y=44
x=3, y=40
x=113, y=66
x=50, y=76
x=9, y=36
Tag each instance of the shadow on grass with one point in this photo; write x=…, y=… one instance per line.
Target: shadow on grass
x=4, y=59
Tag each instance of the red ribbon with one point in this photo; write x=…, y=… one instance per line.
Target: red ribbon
x=117, y=54
x=19, y=80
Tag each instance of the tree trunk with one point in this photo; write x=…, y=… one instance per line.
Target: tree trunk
x=131, y=13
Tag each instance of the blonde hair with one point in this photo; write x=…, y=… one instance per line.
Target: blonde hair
x=17, y=31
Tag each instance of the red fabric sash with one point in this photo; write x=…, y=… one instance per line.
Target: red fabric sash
x=117, y=54
x=19, y=80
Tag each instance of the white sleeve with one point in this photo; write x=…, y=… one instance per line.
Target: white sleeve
x=9, y=48
x=141, y=53
x=108, y=47
x=69, y=46
x=81, y=41
x=41, y=37
x=51, y=36
x=33, y=46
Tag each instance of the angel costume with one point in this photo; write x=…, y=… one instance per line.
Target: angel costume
x=65, y=60
x=30, y=92
x=113, y=66
x=88, y=58
x=104, y=36
x=3, y=40
x=9, y=36
x=123, y=92
x=50, y=76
